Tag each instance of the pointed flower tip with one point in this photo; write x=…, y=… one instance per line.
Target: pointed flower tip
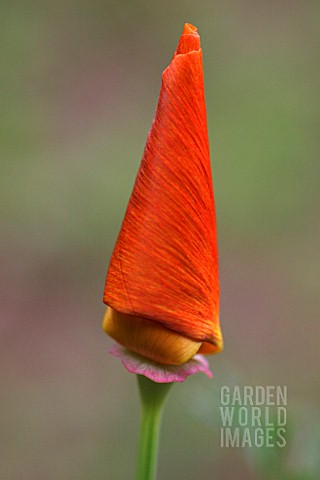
x=157, y=372
x=189, y=40
x=189, y=29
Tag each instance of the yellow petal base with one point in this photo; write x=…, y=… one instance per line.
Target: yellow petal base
x=212, y=348
x=149, y=339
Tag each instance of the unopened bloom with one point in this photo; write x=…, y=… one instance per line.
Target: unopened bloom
x=162, y=287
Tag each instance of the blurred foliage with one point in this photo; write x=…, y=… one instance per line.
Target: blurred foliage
x=299, y=459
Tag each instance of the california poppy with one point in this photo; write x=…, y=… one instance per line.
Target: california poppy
x=162, y=287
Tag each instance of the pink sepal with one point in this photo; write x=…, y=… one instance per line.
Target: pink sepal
x=157, y=372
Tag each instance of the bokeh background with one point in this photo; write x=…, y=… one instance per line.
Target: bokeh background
x=79, y=86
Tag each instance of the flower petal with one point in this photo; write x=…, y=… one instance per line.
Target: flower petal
x=165, y=263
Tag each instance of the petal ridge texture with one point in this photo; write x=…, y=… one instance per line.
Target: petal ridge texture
x=164, y=266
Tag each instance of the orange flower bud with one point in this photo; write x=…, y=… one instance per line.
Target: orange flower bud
x=162, y=287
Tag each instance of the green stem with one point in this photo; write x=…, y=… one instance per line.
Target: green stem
x=152, y=396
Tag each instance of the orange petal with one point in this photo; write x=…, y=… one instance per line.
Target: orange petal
x=189, y=40
x=149, y=339
x=165, y=263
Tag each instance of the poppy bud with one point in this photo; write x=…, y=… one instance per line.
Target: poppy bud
x=162, y=286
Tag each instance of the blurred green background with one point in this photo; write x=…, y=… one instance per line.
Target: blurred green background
x=79, y=86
